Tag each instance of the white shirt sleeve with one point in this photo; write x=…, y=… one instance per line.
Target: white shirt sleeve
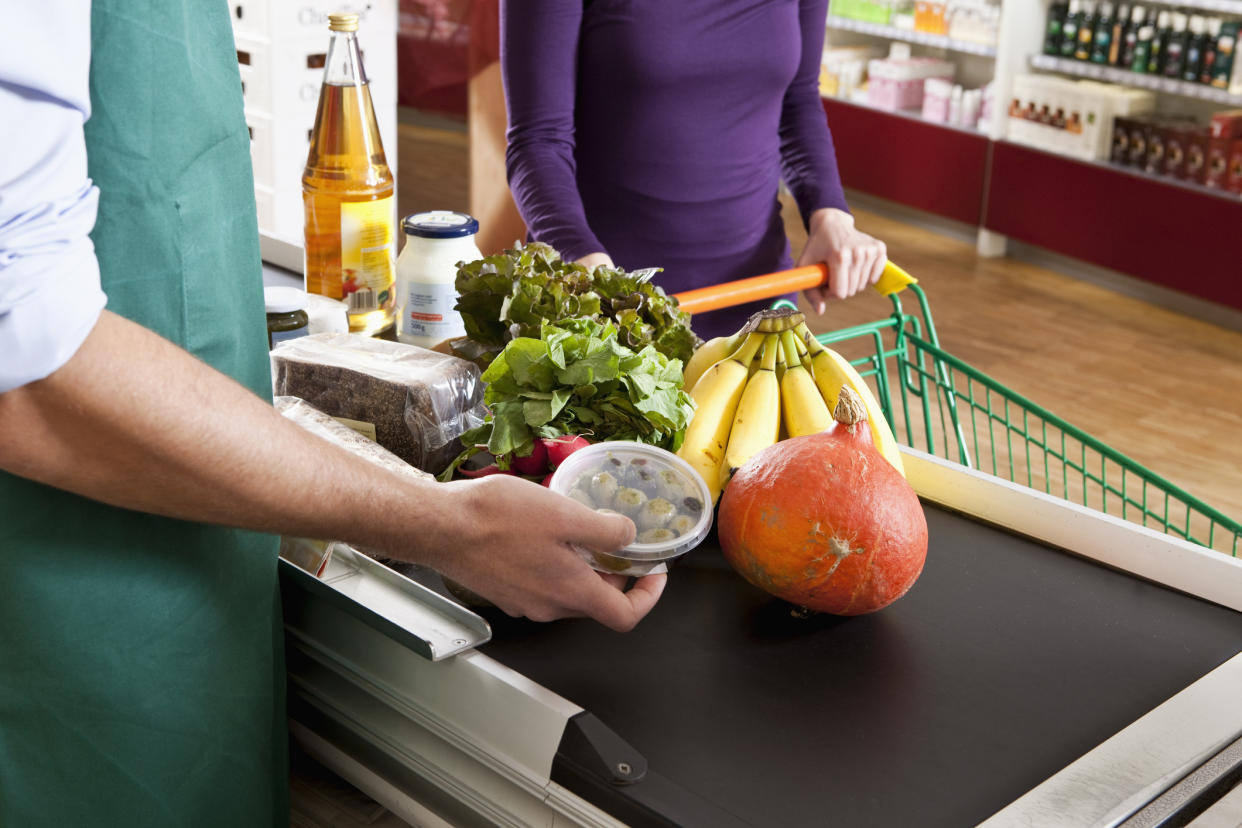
x=50, y=295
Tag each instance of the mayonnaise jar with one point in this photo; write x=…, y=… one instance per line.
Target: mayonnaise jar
x=426, y=271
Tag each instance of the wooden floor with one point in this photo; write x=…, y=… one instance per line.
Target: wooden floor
x=1162, y=388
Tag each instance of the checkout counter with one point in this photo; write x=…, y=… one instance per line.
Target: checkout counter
x=1053, y=666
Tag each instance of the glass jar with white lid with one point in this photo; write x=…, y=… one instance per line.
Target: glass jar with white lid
x=426, y=274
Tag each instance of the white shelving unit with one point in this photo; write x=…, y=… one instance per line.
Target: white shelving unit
x=847, y=24
x=1156, y=83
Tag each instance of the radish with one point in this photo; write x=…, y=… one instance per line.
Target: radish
x=561, y=447
x=535, y=463
x=483, y=472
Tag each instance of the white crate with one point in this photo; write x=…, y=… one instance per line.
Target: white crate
x=265, y=205
x=282, y=77
x=251, y=18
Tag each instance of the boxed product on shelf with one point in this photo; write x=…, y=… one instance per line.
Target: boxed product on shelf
x=1073, y=118
x=1195, y=168
x=977, y=21
x=1178, y=138
x=843, y=68
x=947, y=103
x=931, y=17
x=898, y=83
x=870, y=11
x=1234, y=179
x=1224, y=129
x=1183, y=147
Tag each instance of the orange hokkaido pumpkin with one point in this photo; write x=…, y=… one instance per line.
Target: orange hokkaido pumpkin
x=825, y=522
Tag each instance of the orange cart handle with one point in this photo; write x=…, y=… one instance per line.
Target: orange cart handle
x=756, y=288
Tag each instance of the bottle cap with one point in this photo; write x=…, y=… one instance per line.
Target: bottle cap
x=343, y=22
x=440, y=224
x=281, y=299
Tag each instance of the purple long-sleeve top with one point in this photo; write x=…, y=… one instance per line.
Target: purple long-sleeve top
x=657, y=131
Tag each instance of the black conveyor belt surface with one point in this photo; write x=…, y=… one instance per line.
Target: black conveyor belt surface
x=1004, y=663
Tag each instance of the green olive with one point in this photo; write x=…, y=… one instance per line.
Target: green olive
x=603, y=488
x=682, y=524
x=660, y=535
x=630, y=501
x=582, y=497
x=655, y=514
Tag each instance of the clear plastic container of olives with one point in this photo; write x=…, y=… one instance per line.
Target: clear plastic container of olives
x=668, y=502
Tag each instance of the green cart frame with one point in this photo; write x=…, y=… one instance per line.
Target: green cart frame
x=938, y=404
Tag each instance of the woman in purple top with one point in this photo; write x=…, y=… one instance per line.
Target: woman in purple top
x=654, y=133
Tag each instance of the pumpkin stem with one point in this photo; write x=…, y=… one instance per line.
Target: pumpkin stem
x=850, y=408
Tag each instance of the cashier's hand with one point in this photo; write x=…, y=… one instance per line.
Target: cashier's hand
x=517, y=553
x=854, y=259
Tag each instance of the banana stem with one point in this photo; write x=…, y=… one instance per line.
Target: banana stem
x=747, y=350
x=789, y=343
x=771, y=349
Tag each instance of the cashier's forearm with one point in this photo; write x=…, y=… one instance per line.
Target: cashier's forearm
x=136, y=422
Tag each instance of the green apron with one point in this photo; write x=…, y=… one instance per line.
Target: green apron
x=141, y=670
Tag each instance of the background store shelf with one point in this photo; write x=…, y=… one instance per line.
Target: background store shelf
x=1095, y=71
x=1226, y=6
x=911, y=36
x=1146, y=227
x=909, y=160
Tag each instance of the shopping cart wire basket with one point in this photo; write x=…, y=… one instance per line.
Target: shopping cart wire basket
x=939, y=404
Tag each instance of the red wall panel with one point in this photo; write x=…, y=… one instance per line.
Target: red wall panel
x=902, y=159
x=1175, y=236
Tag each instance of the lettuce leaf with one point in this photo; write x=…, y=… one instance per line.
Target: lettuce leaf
x=579, y=379
x=515, y=294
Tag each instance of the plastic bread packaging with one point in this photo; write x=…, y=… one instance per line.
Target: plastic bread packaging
x=313, y=555
x=416, y=402
x=339, y=434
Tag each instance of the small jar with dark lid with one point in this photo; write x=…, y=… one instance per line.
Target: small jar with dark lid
x=286, y=314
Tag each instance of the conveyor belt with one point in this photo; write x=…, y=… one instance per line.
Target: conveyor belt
x=1005, y=662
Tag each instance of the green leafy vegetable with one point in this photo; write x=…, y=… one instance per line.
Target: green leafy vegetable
x=517, y=293
x=578, y=379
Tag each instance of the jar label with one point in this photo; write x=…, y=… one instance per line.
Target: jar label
x=427, y=311
x=368, y=254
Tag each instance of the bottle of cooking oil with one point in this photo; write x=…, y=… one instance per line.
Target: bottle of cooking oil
x=347, y=190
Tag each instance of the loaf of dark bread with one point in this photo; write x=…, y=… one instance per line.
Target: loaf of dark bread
x=419, y=402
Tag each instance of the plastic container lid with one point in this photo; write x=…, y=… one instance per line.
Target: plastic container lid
x=440, y=224
x=281, y=299
x=640, y=475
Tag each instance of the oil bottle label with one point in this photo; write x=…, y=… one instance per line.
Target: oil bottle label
x=368, y=254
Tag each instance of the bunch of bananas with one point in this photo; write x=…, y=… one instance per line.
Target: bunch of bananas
x=770, y=380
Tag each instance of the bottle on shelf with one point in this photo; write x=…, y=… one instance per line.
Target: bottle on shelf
x=1129, y=46
x=1069, y=29
x=1160, y=42
x=1226, y=47
x=1086, y=31
x=1196, y=45
x=1101, y=41
x=1057, y=13
x=1117, y=37
x=1208, y=63
x=1175, y=52
x=347, y=191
